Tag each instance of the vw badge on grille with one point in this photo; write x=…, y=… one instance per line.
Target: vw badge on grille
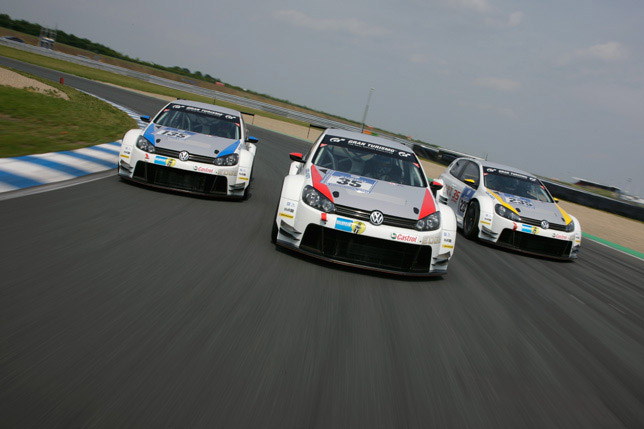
x=545, y=224
x=184, y=156
x=376, y=217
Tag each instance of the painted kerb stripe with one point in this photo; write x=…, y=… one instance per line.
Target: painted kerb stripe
x=614, y=246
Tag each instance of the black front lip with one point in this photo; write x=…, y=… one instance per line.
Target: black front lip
x=356, y=265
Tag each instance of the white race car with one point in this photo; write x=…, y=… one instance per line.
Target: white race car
x=191, y=147
x=364, y=201
x=508, y=207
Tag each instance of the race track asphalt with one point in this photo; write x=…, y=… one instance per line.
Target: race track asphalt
x=126, y=306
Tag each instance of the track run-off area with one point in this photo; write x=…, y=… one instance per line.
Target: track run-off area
x=126, y=306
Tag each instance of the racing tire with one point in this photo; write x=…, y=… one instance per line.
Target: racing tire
x=471, y=221
x=274, y=230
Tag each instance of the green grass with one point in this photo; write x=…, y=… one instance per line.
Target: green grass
x=125, y=81
x=37, y=123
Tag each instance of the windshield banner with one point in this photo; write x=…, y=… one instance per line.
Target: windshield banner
x=368, y=146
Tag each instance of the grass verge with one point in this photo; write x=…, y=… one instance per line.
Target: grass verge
x=33, y=123
x=126, y=81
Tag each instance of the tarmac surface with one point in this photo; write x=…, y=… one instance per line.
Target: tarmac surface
x=126, y=306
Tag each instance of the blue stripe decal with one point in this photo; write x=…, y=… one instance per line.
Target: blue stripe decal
x=17, y=180
x=53, y=165
x=230, y=149
x=104, y=150
x=110, y=164
x=149, y=133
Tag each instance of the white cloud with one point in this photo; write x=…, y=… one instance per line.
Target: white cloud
x=513, y=20
x=609, y=52
x=481, y=6
x=501, y=111
x=497, y=83
x=348, y=25
x=419, y=58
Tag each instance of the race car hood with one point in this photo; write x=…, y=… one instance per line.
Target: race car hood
x=534, y=209
x=194, y=143
x=367, y=194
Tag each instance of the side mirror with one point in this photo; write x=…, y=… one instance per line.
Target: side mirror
x=251, y=139
x=556, y=200
x=296, y=157
x=435, y=187
x=145, y=118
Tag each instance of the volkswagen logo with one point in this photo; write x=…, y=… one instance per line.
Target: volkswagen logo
x=184, y=156
x=545, y=224
x=376, y=218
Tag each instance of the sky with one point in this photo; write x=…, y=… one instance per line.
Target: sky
x=552, y=87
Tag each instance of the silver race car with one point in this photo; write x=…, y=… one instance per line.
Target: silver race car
x=508, y=207
x=191, y=147
x=364, y=201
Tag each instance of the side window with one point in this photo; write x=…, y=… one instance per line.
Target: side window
x=471, y=172
x=457, y=168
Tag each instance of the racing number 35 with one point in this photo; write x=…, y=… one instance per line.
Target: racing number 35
x=349, y=182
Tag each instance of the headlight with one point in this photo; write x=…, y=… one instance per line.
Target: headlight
x=506, y=213
x=227, y=160
x=570, y=227
x=315, y=199
x=143, y=144
x=429, y=223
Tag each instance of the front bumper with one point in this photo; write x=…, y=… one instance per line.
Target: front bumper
x=184, y=176
x=530, y=239
x=356, y=243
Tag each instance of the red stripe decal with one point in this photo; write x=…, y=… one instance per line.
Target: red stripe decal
x=428, y=205
x=317, y=178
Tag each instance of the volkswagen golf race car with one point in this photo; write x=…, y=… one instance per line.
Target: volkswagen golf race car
x=508, y=207
x=364, y=201
x=191, y=147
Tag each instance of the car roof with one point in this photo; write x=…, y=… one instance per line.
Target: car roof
x=208, y=106
x=367, y=138
x=489, y=164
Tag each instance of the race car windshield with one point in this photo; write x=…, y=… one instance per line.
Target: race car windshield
x=200, y=121
x=369, y=160
x=520, y=185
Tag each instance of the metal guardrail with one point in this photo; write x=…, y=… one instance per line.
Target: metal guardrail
x=439, y=154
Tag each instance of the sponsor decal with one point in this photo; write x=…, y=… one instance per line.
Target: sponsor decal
x=431, y=240
x=127, y=150
x=162, y=160
x=147, y=156
x=286, y=215
x=448, y=246
x=288, y=209
x=349, y=225
x=487, y=217
x=243, y=171
x=243, y=178
x=227, y=172
x=404, y=237
x=484, y=222
x=220, y=115
x=488, y=170
x=447, y=240
x=529, y=229
x=372, y=147
x=346, y=180
x=560, y=236
x=203, y=169
x=125, y=156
